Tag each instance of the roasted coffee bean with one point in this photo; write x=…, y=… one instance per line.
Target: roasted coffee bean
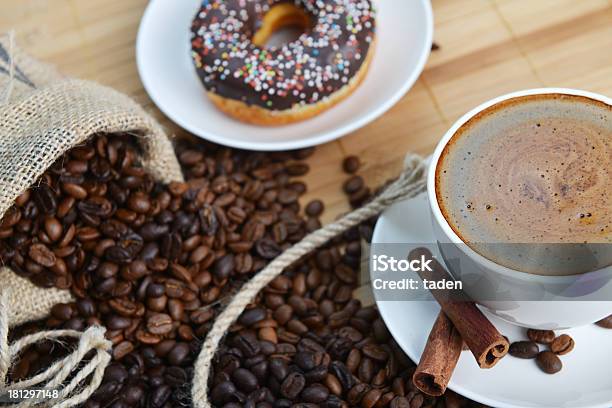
x=118, y=254
x=381, y=333
x=549, y=362
x=45, y=199
x=96, y=207
x=252, y=316
x=176, y=376
x=292, y=385
x=366, y=370
x=278, y=368
x=315, y=393
x=267, y=248
x=171, y=246
x=248, y=344
x=375, y=352
x=123, y=307
x=351, y=164
x=297, y=169
x=42, y=255
x=118, y=323
x=333, y=384
x=342, y=374
x=541, y=336
x=86, y=307
x=524, y=349
x=159, y=396
x=179, y=354
x=201, y=316
x=122, y=349
x=191, y=157
x=353, y=360
x=209, y=223
x=353, y=184
x=371, y=398
x=288, y=337
x=297, y=327
x=116, y=373
x=159, y=323
x=224, y=267
x=562, y=344
x=61, y=311
x=74, y=190
x=53, y=228
x=283, y=314
x=244, y=380
x=306, y=360
x=268, y=334
x=164, y=347
x=314, y=208
x=356, y=394
x=139, y=202
x=223, y=392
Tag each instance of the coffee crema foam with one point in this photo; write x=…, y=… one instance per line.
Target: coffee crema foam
x=530, y=170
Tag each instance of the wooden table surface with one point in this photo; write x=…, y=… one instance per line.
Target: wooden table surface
x=488, y=47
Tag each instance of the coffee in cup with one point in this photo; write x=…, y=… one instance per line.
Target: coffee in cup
x=527, y=183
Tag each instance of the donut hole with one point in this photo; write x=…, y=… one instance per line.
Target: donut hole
x=282, y=24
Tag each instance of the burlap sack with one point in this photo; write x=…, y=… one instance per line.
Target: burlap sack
x=43, y=114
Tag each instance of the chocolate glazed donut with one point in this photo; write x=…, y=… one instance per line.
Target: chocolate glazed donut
x=295, y=81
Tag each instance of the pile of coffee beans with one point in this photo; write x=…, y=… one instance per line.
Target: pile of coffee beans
x=306, y=343
x=547, y=360
x=154, y=264
x=150, y=262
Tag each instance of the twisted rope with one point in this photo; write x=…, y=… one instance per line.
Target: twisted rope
x=79, y=388
x=409, y=184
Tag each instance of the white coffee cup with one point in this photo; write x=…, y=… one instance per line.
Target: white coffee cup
x=575, y=309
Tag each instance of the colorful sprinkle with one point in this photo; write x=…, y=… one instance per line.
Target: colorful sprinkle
x=307, y=70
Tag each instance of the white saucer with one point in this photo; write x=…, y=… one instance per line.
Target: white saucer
x=585, y=380
x=405, y=29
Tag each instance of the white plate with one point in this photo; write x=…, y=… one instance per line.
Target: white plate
x=584, y=381
x=404, y=30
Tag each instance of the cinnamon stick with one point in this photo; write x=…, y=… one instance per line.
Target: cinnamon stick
x=482, y=338
x=439, y=358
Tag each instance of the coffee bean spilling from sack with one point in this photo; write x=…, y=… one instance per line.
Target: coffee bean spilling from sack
x=304, y=328
x=147, y=260
x=99, y=225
